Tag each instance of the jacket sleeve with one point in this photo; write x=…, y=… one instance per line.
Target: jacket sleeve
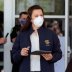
x=16, y=56
x=13, y=34
x=56, y=51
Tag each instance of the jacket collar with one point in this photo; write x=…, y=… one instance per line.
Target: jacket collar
x=31, y=30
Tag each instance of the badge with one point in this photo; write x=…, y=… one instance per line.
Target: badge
x=47, y=42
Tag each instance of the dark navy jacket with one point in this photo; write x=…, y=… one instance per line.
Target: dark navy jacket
x=48, y=41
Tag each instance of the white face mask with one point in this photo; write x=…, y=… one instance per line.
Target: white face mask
x=38, y=22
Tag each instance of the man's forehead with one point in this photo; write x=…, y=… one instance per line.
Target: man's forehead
x=24, y=16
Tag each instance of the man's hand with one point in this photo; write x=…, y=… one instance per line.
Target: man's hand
x=3, y=40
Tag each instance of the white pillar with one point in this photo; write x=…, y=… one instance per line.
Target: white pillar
x=66, y=29
x=8, y=24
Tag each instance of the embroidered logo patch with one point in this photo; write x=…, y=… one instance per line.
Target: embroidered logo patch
x=47, y=42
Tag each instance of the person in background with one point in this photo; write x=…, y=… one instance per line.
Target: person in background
x=18, y=27
x=15, y=32
x=69, y=67
x=35, y=38
x=54, y=26
x=2, y=39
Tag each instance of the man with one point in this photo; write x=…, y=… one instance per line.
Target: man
x=19, y=26
x=2, y=40
x=14, y=33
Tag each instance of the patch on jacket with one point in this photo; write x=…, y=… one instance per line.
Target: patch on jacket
x=47, y=42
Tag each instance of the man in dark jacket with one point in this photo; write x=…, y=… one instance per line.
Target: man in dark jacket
x=13, y=35
x=20, y=23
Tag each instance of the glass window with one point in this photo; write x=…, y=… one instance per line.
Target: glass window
x=70, y=7
x=51, y=7
x=1, y=5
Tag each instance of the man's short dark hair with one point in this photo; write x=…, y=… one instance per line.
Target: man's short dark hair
x=22, y=13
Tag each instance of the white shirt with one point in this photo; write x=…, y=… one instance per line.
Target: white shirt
x=35, y=59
